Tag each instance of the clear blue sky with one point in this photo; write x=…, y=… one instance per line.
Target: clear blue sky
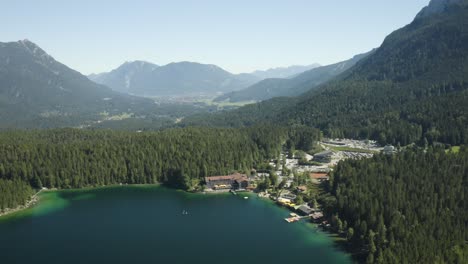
x=237, y=35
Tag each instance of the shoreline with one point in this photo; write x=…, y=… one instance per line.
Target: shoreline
x=35, y=199
x=30, y=203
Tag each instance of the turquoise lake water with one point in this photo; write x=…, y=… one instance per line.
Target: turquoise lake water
x=147, y=225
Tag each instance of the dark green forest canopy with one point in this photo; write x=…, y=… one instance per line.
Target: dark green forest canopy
x=14, y=193
x=73, y=158
x=414, y=88
x=404, y=208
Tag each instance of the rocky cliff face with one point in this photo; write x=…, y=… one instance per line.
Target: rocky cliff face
x=439, y=6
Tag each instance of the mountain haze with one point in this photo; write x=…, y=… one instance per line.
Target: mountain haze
x=125, y=76
x=303, y=82
x=284, y=72
x=174, y=79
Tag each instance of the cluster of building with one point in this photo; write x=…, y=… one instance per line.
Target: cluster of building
x=318, y=173
x=319, y=177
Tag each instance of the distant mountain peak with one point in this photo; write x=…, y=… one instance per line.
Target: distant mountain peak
x=190, y=64
x=136, y=65
x=284, y=72
x=26, y=42
x=439, y=6
x=29, y=45
x=138, y=62
x=174, y=79
x=35, y=50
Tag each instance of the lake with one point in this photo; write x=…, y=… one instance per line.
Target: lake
x=147, y=224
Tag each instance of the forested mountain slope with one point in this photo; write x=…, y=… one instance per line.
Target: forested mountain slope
x=411, y=89
x=275, y=87
x=37, y=91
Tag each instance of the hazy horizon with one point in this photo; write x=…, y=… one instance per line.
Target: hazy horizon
x=98, y=37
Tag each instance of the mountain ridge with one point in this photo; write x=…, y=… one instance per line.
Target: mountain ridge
x=284, y=72
x=300, y=83
x=439, y=6
x=38, y=91
x=173, y=79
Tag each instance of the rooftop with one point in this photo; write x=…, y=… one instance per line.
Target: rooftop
x=305, y=209
x=318, y=175
x=235, y=176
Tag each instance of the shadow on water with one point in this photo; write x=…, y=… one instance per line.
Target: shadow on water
x=340, y=243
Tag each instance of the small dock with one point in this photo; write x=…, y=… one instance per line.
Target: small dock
x=294, y=217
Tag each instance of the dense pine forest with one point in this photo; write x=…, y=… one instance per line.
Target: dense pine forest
x=406, y=208
x=14, y=193
x=71, y=158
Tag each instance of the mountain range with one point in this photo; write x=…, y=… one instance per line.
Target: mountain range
x=174, y=79
x=38, y=91
x=300, y=83
x=413, y=88
x=284, y=72
x=185, y=78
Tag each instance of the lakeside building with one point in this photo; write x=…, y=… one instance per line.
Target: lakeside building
x=234, y=181
x=288, y=196
x=319, y=176
x=324, y=157
x=305, y=210
x=316, y=216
